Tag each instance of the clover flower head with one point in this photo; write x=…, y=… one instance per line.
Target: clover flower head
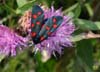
x=10, y=41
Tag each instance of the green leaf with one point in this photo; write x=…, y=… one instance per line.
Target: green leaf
x=89, y=9
x=74, y=10
x=21, y=2
x=11, y=10
x=77, y=11
x=87, y=25
x=14, y=62
x=46, y=2
x=71, y=14
x=77, y=38
x=25, y=7
x=71, y=8
x=84, y=56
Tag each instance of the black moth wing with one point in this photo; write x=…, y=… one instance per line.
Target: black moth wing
x=50, y=26
x=37, y=18
x=40, y=28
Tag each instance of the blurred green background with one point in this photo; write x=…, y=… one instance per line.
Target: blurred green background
x=83, y=57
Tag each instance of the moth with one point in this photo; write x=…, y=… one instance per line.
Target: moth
x=42, y=28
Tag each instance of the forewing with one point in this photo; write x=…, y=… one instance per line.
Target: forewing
x=36, y=20
x=50, y=26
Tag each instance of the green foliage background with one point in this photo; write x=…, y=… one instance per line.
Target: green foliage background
x=83, y=57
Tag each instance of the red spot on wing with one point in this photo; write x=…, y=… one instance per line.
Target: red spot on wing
x=39, y=13
x=49, y=33
x=33, y=34
x=34, y=16
x=54, y=20
x=38, y=23
x=54, y=25
x=47, y=28
x=41, y=38
x=32, y=25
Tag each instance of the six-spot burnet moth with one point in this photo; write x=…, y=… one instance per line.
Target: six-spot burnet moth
x=42, y=28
